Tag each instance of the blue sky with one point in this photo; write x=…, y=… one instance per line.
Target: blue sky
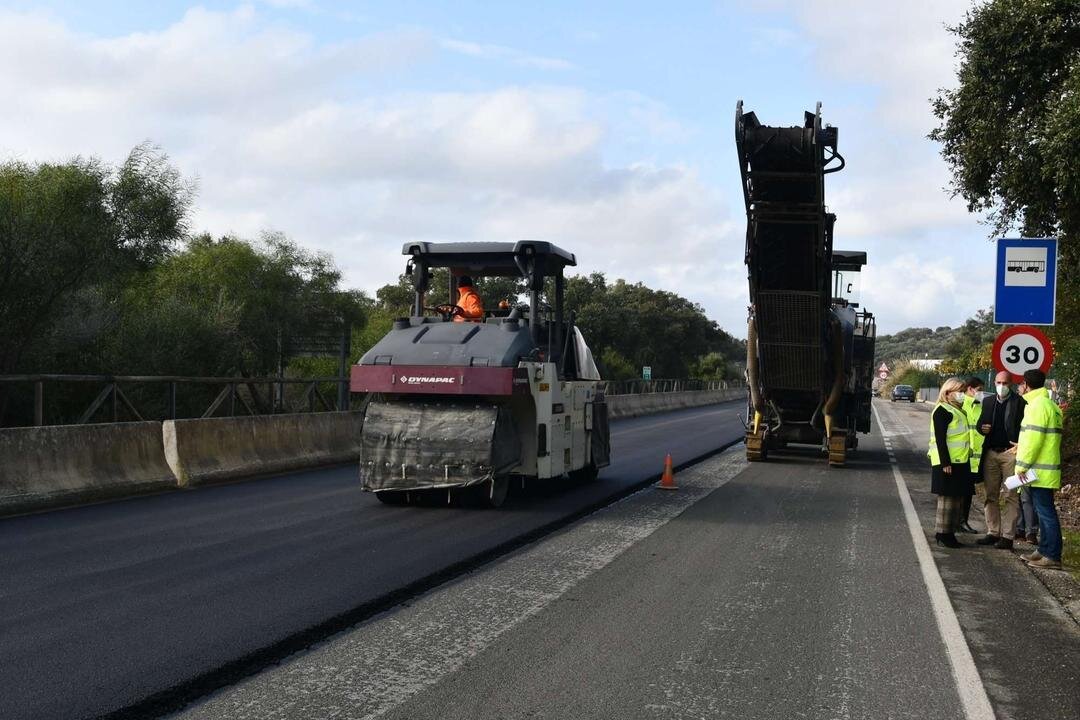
x=352, y=127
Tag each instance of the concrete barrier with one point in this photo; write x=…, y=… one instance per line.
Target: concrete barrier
x=627, y=406
x=54, y=466
x=219, y=449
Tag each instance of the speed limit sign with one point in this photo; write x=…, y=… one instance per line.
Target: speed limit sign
x=1022, y=348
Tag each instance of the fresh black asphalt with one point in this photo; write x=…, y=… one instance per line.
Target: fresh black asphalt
x=129, y=608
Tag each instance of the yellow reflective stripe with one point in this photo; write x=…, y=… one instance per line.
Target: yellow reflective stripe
x=1040, y=466
x=1041, y=429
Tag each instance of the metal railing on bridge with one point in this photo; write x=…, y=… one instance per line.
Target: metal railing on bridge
x=637, y=387
x=52, y=399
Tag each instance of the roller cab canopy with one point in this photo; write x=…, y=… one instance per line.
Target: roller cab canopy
x=502, y=338
x=492, y=259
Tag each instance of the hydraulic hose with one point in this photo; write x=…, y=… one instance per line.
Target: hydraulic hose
x=838, y=374
x=753, y=373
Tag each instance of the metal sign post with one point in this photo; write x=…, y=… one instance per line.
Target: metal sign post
x=1026, y=287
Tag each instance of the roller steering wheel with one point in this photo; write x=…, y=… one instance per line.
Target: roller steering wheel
x=447, y=311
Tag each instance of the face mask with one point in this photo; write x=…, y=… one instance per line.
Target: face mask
x=1002, y=391
x=958, y=396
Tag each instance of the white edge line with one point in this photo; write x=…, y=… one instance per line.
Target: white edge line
x=969, y=685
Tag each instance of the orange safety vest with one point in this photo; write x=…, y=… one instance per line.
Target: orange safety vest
x=470, y=302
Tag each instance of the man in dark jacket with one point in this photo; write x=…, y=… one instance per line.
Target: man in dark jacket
x=1000, y=422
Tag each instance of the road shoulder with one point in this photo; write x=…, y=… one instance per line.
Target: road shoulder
x=1022, y=635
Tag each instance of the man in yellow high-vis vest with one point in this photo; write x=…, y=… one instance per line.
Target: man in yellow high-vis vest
x=1039, y=450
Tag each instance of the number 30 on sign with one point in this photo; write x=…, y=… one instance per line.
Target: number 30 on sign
x=1022, y=348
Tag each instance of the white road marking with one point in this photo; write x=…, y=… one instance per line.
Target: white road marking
x=367, y=671
x=969, y=684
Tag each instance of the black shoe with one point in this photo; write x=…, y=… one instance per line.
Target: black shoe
x=949, y=540
x=1003, y=544
x=988, y=540
x=965, y=528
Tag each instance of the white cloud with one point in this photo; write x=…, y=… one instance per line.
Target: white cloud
x=892, y=199
x=501, y=52
x=282, y=133
x=278, y=137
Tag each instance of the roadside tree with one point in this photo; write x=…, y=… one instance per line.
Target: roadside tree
x=1010, y=132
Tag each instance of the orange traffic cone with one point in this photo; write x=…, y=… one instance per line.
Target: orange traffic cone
x=667, y=480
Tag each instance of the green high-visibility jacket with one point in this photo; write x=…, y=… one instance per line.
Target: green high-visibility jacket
x=973, y=409
x=957, y=437
x=1039, y=448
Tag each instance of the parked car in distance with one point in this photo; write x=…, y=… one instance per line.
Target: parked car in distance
x=903, y=392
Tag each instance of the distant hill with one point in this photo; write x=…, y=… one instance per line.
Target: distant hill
x=942, y=342
x=914, y=343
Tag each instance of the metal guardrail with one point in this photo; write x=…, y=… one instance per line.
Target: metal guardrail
x=121, y=396
x=159, y=397
x=637, y=387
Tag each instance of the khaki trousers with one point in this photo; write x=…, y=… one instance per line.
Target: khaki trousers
x=996, y=467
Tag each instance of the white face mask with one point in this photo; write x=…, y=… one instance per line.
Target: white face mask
x=958, y=396
x=1003, y=391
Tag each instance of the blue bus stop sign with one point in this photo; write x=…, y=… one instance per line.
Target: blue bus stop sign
x=1026, y=287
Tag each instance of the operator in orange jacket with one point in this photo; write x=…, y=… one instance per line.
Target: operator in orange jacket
x=469, y=301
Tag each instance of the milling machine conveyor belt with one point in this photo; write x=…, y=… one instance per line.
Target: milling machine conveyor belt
x=788, y=242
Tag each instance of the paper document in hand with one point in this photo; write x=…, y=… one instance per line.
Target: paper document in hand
x=1014, y=481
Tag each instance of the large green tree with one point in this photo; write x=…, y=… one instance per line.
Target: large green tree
x=228, y=306
x=69, y=235
x=631, y=325
x=1010, y=132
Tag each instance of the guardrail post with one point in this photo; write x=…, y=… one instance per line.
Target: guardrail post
x=232, y=399
x=114, y=402
x=39, y=403
x=172, y=400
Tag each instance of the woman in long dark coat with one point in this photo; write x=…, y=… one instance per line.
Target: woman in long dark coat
x=950, y=480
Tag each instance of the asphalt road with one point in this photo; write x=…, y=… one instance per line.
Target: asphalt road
x=133, y=607
x=1026, y=647
x=783, y=589
x=775, y=590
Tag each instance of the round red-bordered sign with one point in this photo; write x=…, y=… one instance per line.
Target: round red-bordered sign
x=1022, y=348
